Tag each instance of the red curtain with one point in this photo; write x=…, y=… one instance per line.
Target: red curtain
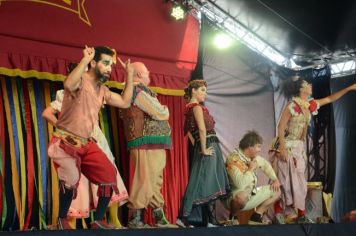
x=176, y=171
x=38, y=40
x=52, y=34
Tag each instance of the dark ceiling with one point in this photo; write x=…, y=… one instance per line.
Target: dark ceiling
x=310, y=31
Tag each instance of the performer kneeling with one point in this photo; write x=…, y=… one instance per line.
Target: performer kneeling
x=242, y=166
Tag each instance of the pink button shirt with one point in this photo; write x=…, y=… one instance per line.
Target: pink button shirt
x=80, y=108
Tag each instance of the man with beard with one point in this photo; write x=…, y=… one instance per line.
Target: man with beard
x=72, y=149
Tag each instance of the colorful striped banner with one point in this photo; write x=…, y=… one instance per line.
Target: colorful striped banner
x=14, y=169
x=38, y=179
x=26, y=112
x=34, y=183
x=54, y=177
x=3, y=204
x=21, y=148
x=42, y=141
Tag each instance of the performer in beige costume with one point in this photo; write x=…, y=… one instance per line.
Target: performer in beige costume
x=148, y=135
x=242, y=166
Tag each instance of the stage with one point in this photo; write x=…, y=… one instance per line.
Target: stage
x=275, y=230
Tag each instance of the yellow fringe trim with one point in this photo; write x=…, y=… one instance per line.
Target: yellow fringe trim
x=59, y=77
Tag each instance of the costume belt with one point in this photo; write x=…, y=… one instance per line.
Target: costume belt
x=71, y=139
x=209, y=134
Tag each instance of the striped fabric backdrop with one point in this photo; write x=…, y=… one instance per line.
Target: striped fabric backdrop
x=29, y=183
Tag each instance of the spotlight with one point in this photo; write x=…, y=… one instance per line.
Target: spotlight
x=178, y=11
x=222, y=41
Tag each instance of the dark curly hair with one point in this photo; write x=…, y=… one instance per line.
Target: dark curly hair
x=250, y=139
x=99, y=50
x=194, y=84
x=291, y=87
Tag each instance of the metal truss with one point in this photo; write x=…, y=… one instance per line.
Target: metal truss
x=343, y=68
x=239, y=31
x=317, y=152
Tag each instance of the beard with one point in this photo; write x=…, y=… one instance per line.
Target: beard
x=102, y=78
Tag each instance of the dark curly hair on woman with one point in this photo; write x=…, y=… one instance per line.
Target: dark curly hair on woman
x=291, y=87
x=194, y=84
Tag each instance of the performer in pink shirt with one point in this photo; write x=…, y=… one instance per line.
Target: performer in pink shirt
x=72, y=148
x=86, y=191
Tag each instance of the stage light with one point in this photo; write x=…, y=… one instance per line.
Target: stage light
x=240, y=32
x=178, y=11
x=222, y=41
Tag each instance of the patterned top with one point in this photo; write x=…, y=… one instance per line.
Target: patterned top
x=298, y=123
x=241, y=179
x=146, y=121
x=190, y=124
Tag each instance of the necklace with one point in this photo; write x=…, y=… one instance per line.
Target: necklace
x=302, y=103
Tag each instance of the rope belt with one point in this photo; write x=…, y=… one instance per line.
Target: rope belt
x=71, y=139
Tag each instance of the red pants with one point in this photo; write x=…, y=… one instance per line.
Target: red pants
x=88, y=159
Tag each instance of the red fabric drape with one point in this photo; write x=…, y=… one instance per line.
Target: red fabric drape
x=177, y=169
x=175, y=177
x=50, y=35
x=29, y=156
x=37, y=37
x=30, y=64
